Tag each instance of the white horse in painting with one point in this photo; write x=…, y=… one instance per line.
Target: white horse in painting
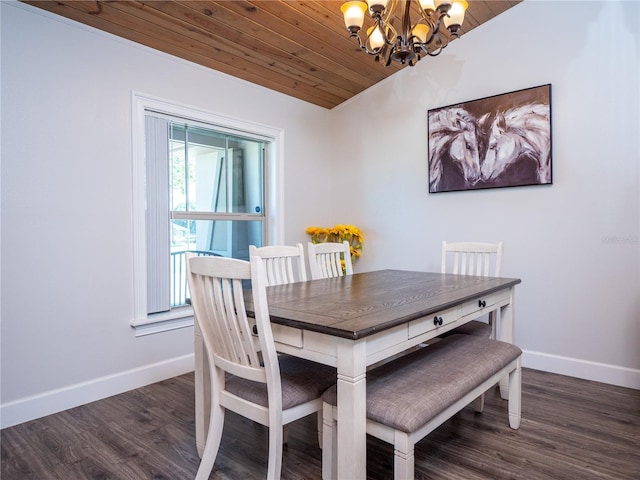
x=453, y=136
x=520, y=131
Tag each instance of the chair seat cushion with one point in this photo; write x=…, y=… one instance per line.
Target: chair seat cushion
x=302, y=381
x=474, y=327
x=406, y=393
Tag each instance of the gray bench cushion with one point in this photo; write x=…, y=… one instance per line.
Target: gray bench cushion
x=406, y=393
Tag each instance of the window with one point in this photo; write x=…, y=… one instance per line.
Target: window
x=205, y=194
x=208, y=187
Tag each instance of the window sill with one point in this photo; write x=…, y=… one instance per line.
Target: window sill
x=164, y=322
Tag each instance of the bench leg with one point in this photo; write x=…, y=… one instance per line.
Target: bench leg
x=478, y=404
x=515, y=395
x=403, y=457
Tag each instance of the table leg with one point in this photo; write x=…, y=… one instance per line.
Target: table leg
x=352, y=418
x=507, y=335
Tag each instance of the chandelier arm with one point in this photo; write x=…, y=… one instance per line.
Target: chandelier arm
x=426, y=14
x=356, y=35
x=382, y=54
x=433, y=18
x=438, y=50
x=363, y=44
x=388, y=30
x=440, y=40
x=424, y=50
x=389, y=11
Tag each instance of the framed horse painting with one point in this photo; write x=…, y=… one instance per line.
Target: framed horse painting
x=498, y=141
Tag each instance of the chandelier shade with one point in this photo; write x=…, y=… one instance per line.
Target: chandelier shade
x=395, y=36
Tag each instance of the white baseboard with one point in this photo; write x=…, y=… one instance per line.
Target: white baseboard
x=587, y=370
x=30, y=408
x=36, y=406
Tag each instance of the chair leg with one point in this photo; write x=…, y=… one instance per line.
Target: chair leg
x=329, y=442
x=515, y=396
x=275, y=448
x=212, y=442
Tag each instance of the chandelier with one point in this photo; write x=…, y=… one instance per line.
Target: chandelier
x=438, y=23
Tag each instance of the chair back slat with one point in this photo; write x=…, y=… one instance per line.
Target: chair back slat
x=468, y=258
x=326, y=260
x=283, y=263
x=217, y=296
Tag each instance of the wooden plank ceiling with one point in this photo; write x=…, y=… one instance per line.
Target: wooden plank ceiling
x=299, y=48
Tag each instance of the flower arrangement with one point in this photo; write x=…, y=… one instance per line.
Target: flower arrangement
x=338, y=234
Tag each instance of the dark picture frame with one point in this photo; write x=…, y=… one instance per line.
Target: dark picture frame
x=498, y=141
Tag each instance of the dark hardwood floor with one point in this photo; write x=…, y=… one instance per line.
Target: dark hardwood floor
x=571, y=429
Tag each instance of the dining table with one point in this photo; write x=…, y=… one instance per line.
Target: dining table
x=356, y=321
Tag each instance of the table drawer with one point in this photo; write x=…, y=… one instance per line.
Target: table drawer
x=485, y=302
x=281, y=333
x=432, y=322
x=287, y=335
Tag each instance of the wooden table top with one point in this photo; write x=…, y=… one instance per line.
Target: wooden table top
x=355, y=306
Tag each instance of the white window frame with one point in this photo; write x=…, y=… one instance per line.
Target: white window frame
x=143, y=323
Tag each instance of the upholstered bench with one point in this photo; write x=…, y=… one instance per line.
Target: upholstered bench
x=411, y=396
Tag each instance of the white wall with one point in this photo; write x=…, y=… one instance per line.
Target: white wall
x=575, y=244
x=67, y=278
x=66, y=258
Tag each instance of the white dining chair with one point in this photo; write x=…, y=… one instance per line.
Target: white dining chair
x=283, y=263
x=247, y=375
x=480, y=259
x=473, y=258
x=326, y=260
